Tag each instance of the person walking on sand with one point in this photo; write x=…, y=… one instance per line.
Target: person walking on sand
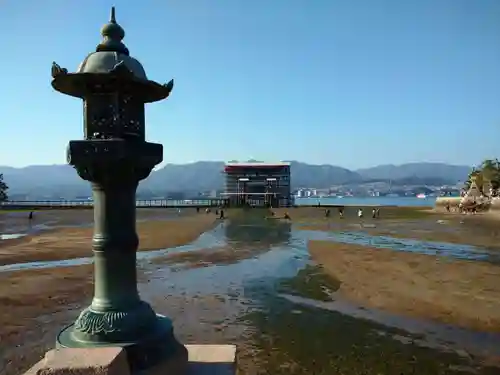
x=374, y=213
x=378, y=212
x=360, y=213
x=30, y=216
x=341, y=212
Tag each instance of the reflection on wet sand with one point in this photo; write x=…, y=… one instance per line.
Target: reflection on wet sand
x=257, y=232
x=256, y=311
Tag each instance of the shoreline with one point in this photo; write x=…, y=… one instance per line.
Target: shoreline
x=457, y=292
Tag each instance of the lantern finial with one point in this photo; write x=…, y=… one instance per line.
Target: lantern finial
x=113, y=35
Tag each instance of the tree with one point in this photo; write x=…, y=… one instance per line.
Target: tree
x=488, y=170
x=468, y=181
x=3, y=189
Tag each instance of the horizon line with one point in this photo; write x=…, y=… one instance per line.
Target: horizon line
x=164, y=164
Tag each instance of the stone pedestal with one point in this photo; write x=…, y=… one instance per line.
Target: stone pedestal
x=200, y=360
x=211, y=359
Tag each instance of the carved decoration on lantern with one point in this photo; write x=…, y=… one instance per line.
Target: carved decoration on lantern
x=100, y=116
x=57, y=70
x=132, y=118
x=169, y=86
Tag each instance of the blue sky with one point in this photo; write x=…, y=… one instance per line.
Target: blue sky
x=354, y=83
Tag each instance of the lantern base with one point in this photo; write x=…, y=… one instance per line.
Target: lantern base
x=149, y=351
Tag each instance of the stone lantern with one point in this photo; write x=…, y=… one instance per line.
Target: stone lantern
x=114, y=156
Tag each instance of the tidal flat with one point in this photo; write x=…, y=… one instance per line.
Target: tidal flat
x=258, y=283
x=59, y=235
x=457, y=292
x=418, y=223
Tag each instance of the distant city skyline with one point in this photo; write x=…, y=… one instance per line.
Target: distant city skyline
x=354, y=84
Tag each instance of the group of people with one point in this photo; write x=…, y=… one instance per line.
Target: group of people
x=375, y=212
x=218, y=211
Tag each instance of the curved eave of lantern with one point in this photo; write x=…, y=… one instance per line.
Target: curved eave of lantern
x=120, y=78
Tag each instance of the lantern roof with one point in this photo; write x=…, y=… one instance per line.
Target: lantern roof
x=111, y=52
x=110, y=60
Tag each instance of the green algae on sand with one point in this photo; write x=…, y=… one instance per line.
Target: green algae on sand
x=310, y=282
x=290, y=338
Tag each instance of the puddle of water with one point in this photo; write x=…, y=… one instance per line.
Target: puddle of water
x=11, y=236
x=46, y=264
x=249, y=279
x=266, y=269
x=400, y=244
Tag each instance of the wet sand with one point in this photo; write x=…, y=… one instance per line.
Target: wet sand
x=406, y=222
x=70, y=243
x=205, y=257
x=481, y=230
x=450, y=231
x=17, y=221
x=37, y=303
x=459, y=292
x=30, y=297
x=223, y=289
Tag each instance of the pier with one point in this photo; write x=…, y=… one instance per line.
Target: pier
x=88, y=204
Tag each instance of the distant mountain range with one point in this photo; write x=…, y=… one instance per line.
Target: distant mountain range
x=452, y=173
x=40, y=181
